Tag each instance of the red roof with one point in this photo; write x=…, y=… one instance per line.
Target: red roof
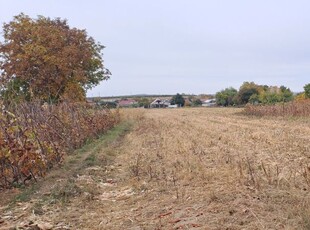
x=126, y=102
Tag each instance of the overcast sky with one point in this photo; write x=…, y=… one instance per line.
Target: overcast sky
x=188, y=46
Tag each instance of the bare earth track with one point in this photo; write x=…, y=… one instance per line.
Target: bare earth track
x=178, y=169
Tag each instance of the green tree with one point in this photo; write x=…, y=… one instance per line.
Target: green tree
x=197, y=102
x=254, y=99
x=144, y=102
x=178, y=100
x=247, y=90
x=107, y=104
x=285, y=94
x=274, y=94
x=307, y=90
x=272, y=98
x=46, y=59
x=226, y=97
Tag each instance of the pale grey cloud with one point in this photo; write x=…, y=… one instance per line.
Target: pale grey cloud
x=194, y=46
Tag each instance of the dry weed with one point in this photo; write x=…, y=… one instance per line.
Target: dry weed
x=245, y=172
x=299, y=108
x=195, y=169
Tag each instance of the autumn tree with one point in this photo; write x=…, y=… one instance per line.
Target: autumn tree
x=247, y=89
x=46, y=59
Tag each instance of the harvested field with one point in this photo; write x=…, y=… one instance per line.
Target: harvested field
x=188, y=169
x=299, y=108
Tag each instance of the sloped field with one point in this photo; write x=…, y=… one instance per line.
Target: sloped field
x=194, y=169
x=219, y=170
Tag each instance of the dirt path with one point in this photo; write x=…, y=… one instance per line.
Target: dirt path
x=178, y=169
x=62, y=198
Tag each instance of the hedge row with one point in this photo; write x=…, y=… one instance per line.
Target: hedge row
x=296, y=108
x=34, y=137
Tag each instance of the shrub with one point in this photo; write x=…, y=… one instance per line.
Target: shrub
x=33, y=137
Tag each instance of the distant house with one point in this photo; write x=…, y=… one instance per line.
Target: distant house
x=160, y=103
x=173, y=106
x=127, y=103
x=209, y=103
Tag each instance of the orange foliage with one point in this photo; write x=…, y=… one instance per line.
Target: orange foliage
x=45, y=57
x=33, y=137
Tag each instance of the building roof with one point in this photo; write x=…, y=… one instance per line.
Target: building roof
x=126, y=102
x=159, y=101
x=209, y=101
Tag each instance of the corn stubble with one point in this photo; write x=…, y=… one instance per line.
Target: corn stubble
x=297, y=108
x=218, y=169
x=201, y=168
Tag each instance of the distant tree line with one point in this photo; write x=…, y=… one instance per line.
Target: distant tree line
x=249, y=92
